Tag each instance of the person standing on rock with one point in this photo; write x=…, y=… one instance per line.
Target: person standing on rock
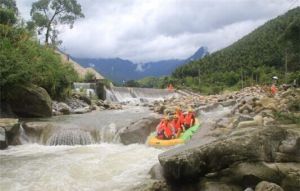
x=273, y=87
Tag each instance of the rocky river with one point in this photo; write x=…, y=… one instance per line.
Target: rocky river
x=248, y=140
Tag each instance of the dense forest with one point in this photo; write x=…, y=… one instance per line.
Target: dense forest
x=272, y=49
x=24, y=61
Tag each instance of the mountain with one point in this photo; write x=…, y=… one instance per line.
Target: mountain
x=201, y=52
x=271, y=49
x=119, y=70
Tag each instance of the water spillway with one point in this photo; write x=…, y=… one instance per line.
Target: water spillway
x=134, y=95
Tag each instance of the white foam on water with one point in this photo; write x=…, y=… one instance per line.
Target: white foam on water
x=91, y=167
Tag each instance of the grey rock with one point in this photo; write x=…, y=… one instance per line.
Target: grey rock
x=30, y=101
x=64, y=108
x=3, y=139
x=193, y=161
x=139, y=131
x=267, y=186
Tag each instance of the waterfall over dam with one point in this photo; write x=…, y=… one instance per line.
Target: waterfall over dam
x=130, y=94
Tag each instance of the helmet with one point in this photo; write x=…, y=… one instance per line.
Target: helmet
x=275, y=77
x=175, y=117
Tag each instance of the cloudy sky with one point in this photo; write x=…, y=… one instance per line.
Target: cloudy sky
x=150, y=30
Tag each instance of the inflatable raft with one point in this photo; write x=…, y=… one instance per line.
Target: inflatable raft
x=187, y=135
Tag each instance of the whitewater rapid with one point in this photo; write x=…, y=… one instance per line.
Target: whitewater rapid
x=90, y=167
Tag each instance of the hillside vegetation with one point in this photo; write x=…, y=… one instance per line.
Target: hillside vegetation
x=24, y=61
x=254, y=59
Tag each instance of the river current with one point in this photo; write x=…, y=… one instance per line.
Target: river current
x=104, y=165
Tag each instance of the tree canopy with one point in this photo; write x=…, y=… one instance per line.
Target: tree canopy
x=47, y=14
x=8, y=12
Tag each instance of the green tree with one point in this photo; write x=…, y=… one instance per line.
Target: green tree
x=47, y=14
x=8, y=12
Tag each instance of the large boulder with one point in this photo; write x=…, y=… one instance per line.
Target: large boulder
x=30, y=101
x=139, y=131
x=251, y=145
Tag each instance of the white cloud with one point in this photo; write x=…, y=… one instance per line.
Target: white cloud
x=144, y=30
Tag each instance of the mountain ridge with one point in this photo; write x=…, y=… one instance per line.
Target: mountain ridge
x=120, y=70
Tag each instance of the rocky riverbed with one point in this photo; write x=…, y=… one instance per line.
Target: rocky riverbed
x=254, y=146
x=249, y=140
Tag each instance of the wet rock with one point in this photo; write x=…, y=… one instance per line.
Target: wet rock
x=139, y=131
x=11, y=127
x=267, y=186
x=38, y=131
x=3, y=139
x=248, y=189
x=156, y=172
x=30, y=101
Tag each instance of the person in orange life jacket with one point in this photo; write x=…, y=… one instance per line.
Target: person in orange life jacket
x=180, y=116
x=176, y=125
x=164, y=129
x=273, y=87
x=189, y=119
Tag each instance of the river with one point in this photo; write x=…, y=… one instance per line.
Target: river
x=57, y=160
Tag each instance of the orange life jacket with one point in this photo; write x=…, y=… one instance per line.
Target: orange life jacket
x=168, y=131
x=273, y=89
x=190, y=118
x=180, y=117
x=176, y=124
x=164, y=128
